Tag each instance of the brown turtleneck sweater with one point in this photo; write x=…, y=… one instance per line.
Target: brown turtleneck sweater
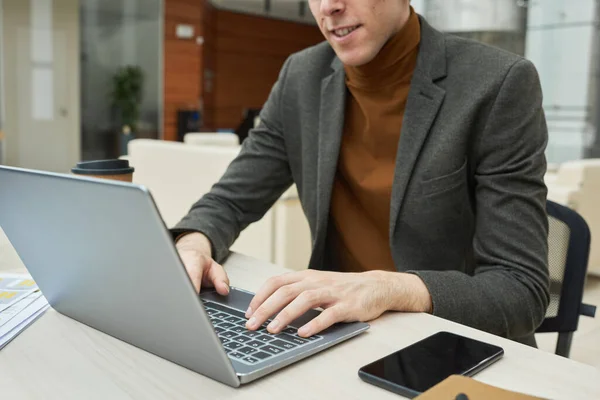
x=360, y=203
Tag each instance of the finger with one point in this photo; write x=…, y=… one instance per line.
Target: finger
x=307, y=300
x=327, y=318
x=269, y=287
x=194, y=270
x=278, y=300
x=217, y=277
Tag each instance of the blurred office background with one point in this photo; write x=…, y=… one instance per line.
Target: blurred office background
x=79, y=79
x=216, y=60
x=561, y=38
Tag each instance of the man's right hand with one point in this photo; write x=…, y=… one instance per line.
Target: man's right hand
x=195, y=252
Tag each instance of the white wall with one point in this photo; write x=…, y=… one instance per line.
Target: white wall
x=41, y=68
x=2, y=106
x=474, y=15
x=419, y=6
x=560, y=43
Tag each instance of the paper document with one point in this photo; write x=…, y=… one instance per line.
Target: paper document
x=15, y=309
x=14, y=288
x=21, y=303
x=10, y=297
x=17, y=282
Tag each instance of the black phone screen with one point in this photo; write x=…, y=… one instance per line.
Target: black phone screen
x=424, y=364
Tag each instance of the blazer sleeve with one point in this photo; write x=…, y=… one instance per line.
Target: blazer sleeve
x=252, y=183
x=509, y=292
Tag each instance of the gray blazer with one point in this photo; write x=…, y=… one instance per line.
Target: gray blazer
x=468, y=198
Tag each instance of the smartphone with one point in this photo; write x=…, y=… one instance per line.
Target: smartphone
x=417, y=368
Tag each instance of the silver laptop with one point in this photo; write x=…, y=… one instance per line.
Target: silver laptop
x=101, y=254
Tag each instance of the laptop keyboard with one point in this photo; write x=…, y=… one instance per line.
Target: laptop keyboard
x=251, y=347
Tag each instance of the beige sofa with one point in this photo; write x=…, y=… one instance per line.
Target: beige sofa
x=212, y=139
x=178, y=174
x=292, y=247
x=576, y=184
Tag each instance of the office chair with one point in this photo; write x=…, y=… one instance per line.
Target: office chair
x=247, y=123
x=568, y=251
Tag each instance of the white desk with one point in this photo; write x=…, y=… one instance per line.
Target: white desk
x=59, y=358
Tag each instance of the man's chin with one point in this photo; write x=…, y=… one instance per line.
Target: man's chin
x=354, y=58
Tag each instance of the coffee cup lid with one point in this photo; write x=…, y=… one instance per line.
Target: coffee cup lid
x=103, y=167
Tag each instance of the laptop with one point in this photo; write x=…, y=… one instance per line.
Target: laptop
x=102, y=255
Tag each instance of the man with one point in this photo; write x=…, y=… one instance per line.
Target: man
x=419, y=162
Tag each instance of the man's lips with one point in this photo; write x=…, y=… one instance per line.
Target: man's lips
x=344, y=30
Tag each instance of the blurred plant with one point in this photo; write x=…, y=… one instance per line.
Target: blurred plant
x=127, y=94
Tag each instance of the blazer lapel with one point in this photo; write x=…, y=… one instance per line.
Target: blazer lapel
x=423, y=104
x=424, y=101
x=331, y=124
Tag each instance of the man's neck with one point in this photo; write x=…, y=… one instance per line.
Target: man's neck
x=402, y=22
x=395, y=60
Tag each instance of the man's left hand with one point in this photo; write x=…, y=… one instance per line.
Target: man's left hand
x=344, y=297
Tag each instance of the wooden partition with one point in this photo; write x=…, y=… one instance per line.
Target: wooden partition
x=250, y=52
x=182, y=62
x=232, y=69
x=210, y=65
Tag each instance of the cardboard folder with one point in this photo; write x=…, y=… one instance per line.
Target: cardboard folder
x=456, y=385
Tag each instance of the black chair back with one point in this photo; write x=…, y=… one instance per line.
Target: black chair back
x=247, y=123
x=568, y=252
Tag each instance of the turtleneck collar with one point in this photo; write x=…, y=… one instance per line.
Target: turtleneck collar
x=394, y=63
